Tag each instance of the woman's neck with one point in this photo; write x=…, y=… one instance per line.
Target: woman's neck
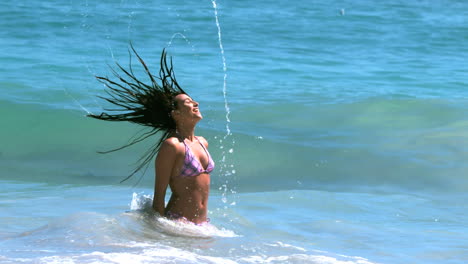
x=186, y=132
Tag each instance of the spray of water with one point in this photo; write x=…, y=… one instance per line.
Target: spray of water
x=226, y=105
x=227, y=170
x=77, y=102
x=182, y=36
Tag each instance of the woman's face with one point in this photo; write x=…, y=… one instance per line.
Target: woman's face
x=186, y=108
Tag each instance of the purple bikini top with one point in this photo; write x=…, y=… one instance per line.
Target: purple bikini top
x=192, y=166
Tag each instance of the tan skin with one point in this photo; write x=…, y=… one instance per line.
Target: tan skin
x=189, y=197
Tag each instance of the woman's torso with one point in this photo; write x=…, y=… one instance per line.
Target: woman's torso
x=190, y=182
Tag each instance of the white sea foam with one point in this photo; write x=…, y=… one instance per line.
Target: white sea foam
x=304, y=258
x=145, y=252
x=143, y=203
x=284, y=245
x=180, y=228
x=161, y=254
x=174, y=255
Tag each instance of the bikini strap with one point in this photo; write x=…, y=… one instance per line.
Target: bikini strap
x=203, y=146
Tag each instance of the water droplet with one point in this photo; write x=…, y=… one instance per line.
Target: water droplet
x=231, y=150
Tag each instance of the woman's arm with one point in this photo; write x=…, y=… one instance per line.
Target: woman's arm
x=164, y=163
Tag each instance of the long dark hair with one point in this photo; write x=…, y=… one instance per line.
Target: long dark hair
x=149, y=105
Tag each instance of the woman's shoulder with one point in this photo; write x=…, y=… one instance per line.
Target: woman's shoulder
x=172, y=140
x=173, y=143
x=203, y=141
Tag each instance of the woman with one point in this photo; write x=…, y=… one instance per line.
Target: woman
x=183, y=162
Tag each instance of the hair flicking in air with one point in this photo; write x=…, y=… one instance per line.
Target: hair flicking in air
x=149, y=105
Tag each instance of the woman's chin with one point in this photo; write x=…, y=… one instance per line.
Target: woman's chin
x=198, y=115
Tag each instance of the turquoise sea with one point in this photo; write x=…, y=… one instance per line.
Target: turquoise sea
x=339, y=130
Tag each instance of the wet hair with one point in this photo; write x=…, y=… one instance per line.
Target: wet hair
x=149, y=105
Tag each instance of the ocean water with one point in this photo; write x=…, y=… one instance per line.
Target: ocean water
x=339, y=130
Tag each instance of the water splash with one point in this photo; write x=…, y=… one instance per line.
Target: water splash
x=141, y=207
x=184, y=37
x=77, y=102
x=227, y=171
x=226, y=105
